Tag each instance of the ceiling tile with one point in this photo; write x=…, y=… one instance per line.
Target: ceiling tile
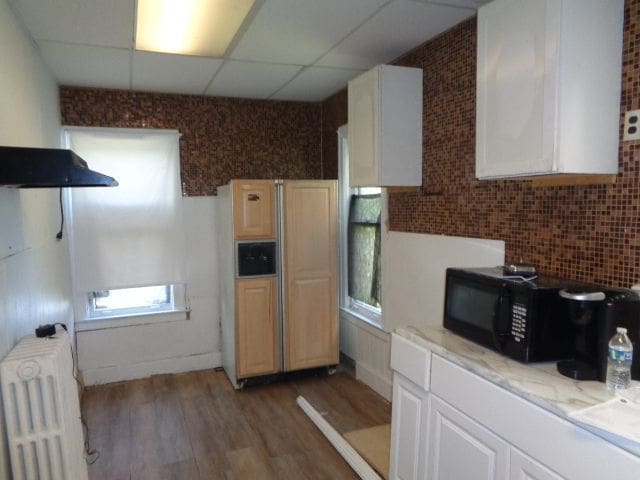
x=316, y=83
x=87, y=66
x=396, y=29
x=458, y=3
x=103, y=23
x=158, y=72
x=299, y=31
x=250, y=79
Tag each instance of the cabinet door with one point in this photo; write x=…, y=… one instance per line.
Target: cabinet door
x=516, y=82
x=385, y=127
x=254, y=209
x=408, y=430
x=256, y=327
x=460, y=449
x=363, y=130
x=523, y=467
x=310, y=266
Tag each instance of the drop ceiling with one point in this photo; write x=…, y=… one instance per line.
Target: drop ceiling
x=302, y=50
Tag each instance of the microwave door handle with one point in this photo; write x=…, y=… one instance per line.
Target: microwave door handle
x=499, y=312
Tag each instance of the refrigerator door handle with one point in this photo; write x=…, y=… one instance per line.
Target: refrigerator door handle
x=282, y=283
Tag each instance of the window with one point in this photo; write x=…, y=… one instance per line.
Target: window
x=365, y=209
x=133, y=301
x=127, y=242
x=361, y=211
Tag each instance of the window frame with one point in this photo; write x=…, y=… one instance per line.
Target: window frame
x=356, y=308
x=173, y=296
x=180, y=312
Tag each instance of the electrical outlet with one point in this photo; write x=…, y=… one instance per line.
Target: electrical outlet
x=632, y=125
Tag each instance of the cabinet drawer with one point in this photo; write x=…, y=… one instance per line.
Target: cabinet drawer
x=411, y=360
x=565, y=448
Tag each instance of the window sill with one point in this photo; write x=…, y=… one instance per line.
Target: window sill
x=371, y=320
x=89, y=324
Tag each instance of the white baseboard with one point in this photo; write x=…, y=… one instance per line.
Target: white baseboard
x=118, y=373
x=378, y=383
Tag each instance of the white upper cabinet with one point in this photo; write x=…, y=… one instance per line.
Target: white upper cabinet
x=548, y=87
x=385, y=127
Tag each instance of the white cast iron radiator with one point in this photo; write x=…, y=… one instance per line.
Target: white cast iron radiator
x=42, y=410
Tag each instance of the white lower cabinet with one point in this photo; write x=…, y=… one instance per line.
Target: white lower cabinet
x=553, y=447
x=410, y=417
x=461, y=449
x=523, y=467
x=456, y=425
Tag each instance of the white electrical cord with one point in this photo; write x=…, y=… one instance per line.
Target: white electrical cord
x=353, y=458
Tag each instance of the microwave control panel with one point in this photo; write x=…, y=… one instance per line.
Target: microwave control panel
x=518, y=321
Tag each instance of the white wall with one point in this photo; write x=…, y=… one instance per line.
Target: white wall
x=123, y=353
x=413, y=284
x=413, y=273
x=35, y=282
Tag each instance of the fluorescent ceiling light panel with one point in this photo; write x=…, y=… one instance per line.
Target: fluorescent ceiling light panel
x=189, y=27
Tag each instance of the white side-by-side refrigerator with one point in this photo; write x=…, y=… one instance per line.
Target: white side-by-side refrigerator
x=278, y=260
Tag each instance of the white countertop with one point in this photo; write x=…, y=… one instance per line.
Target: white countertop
x=540, y=383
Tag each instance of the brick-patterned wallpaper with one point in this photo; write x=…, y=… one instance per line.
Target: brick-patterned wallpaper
x=222, y=138
x=589, y=233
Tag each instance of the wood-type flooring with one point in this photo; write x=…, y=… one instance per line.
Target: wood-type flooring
x=196, y=426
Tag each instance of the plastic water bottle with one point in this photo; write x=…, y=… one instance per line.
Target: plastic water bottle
x=619, y=360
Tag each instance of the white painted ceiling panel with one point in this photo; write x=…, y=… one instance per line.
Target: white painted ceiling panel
x=458, y=3
x=316, y=83
x=91, y=43
x=87, y=66
x=158, y=72
x=251, y=79
x=298, y=32
x=107, y=23
x=396, y=29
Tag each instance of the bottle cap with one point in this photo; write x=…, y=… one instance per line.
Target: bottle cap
x=621, y=330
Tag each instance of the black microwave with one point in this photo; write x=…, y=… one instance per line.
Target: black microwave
x=519, y=317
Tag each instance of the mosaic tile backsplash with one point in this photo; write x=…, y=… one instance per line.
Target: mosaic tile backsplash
x=587, y=233
x=222, y=138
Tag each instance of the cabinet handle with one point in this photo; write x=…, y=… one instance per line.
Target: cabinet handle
x=253, y=197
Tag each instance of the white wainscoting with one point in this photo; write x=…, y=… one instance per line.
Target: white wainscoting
x=135, y=351
x=370, y=348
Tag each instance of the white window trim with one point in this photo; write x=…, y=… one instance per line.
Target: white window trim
x=178, y=302
x=131, y=320
x=356, y=309
x=180, y=312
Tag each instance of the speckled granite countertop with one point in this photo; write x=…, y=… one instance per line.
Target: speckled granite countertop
x=540, y=383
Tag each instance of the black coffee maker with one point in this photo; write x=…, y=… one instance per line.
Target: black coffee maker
x=594, y=315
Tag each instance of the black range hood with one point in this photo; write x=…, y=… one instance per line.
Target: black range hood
x=47, y=167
